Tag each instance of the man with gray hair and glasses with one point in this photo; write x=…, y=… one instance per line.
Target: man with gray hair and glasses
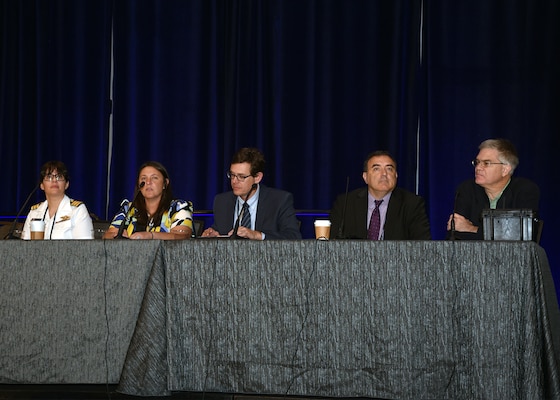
x=493, y=187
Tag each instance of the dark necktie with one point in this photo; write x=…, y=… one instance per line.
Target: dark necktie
x=246, y=220
x=375, y=222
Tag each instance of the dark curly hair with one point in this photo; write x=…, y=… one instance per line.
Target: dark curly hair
x=51, y=166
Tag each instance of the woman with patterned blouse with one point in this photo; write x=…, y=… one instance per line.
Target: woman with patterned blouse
x=153, y=213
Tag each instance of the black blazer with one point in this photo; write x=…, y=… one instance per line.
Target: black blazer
x=276, y=216
x=406, y=217
x=471, y=199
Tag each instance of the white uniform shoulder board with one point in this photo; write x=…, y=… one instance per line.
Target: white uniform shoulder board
x=36, y=206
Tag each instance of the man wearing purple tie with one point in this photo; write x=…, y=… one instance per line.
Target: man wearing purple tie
x=381, y=210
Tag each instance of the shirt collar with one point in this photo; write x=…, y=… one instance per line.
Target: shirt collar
x=371, y=200
x=251, y=202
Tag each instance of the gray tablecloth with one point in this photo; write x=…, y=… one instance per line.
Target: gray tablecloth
x=68, y=308
x=395, y=320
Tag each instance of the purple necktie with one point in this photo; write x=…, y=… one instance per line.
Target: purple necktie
x=375, y=222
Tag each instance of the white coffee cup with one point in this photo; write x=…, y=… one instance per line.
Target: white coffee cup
x=37, y=229
x=322, y=229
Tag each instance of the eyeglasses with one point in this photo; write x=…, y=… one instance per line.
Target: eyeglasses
x=485, y=163
x=240, y=178
x=52, y=178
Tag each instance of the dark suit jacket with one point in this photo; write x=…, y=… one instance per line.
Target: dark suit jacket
x=276, y=216
x=406, y=217
x=471, y=199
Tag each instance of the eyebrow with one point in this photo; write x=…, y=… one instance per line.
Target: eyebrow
x=385, y=165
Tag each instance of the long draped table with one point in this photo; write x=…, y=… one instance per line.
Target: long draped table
x=445, y=320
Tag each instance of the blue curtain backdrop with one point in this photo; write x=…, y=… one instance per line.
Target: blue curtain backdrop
x=55, y=64
x=491, y=70
x=194, y=81
x=315, y=84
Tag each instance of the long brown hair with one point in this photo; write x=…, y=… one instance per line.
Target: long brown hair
x=140, y=201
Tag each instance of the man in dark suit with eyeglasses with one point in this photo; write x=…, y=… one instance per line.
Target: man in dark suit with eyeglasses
x=493, y=187
x=252, y=210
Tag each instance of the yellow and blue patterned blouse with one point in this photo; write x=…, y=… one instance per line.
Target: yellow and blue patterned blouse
x=179, y=214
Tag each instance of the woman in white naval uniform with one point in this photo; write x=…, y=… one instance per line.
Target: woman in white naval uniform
x=64, y=217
